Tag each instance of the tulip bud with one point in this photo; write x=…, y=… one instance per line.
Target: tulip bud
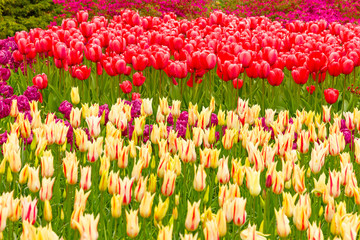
x=9, y=176
x=253, y=181
x=14, y=111
x=116, y=204
x=206, y=196
x=177, y=199
x=153, y=164
x=199, y=178
x=212, y=135
x=152, y=183
x=75, y=98
x=47, y=211
x=187, y=134
x=103, y=181
x=62, y=215
x=75, y=117
x=175, y=213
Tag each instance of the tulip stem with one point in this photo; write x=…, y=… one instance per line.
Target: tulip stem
x=315, y=92
x=343, y=96
x=245, y=84
x=250, y=92
x=209, y=75
x=298, y=95
x=97, y=86
x=354, y=74
x=119, y=85
x=160, y=83
x=262, y=96
x=266, y=212
x=11, y=233
x=115, y=227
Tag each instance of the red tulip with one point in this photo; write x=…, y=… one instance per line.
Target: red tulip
x=74, y=57
x=347, y=65
x=60, y=50
x=126, y=87
x=77, y=45
x=233, y=71
x=117, y=45
x=40, y=81
x=18, y=57
x=86, y=29
x=252, y=70
x=43, y=45
x=291, y=62
x=135, y=96
x=270, y=55
x=275, y=77
x=300, y=75
x=334, y=56
x=31, y=52
x=263, y=69
x=178, y=43
x=245, y=59
x=127, y=71
x=68, y=23
x=238, y=83
x=160, y=60
x=22, y=45
x=140, y=62
x=22, y=34
x=82, y=16
x=228, y=71
x=120, y=66
x=93, y=52
x=331, y=95
x=208, y=60
x=81, y=72
x=354, y=56
x=317, y=62
x=138, y=79
x=310, y=89
x=334, y=68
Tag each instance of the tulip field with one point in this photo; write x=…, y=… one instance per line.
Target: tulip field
x=143, y=127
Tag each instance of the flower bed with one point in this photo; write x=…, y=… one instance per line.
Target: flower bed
x=137, y=127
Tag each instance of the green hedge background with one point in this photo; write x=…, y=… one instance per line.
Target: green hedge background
x=17, y=15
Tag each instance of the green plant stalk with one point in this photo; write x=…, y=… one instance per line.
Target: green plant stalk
x=343, y=95
x=263, y=96
x=250, y=91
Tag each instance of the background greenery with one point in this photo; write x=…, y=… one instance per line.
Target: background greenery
x=17, y=15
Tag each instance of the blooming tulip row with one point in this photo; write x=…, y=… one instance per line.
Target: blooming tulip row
x=182, y=172
x=152, y=56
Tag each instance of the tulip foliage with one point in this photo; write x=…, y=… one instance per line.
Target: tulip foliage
x=129, y=55
x=126, y=172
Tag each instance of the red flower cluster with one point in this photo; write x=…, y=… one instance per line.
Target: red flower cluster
x=256, y=45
